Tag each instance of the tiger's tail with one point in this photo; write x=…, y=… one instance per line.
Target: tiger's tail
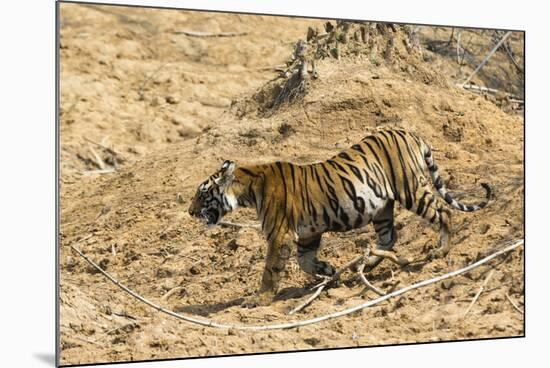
x=438, y=184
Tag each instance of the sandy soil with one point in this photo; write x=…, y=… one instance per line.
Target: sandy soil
x=165, y=109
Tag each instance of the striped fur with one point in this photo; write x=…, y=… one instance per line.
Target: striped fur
x=357, y=186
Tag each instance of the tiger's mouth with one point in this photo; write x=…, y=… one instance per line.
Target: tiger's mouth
x=210, y=216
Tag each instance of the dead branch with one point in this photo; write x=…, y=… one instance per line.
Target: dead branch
x=391, y=256
x=486, y=59
x=481, y=288
x=107, y=149
x=208, y=34
x=325, y=282
x=368, y=285
x=485, y=90
x=309, y=300
x=97, y=159
x=210, y=323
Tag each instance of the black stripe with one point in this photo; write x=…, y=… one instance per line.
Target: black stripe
x=251, y=194
x=371, y=203
x=409, y=149
x=345, y=156
x=293, y=177
x=344, y=217
x=438, y=183
x=406, y=188
x=249, y=172
x=358, y=148
x=336, y=165
x=333, y=199
x=358, y=220
x=380, y=144
x=356, y=172
x=421, y=203
x=431, y=201
x=280, y=166
x=376, y=169
x=322, y=164
x=326, y=218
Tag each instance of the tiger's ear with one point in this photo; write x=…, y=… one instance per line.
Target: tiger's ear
x=226, y=173
x=228, y=166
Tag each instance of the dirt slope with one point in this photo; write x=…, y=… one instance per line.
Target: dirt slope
x=144, y=237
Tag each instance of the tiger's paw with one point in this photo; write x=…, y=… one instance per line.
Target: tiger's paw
x=258, y=300
x=324, y=269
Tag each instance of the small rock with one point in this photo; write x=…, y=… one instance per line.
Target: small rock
x=164, y=272
x=447, y=284
x=194, y=270
x=232, y=245
x=176, y=121
x=171, y=100
x=499, y=327
x=313, y=341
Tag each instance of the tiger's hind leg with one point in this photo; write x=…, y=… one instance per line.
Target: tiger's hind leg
x=432, y=210
x=307, y=249
x=385, y=230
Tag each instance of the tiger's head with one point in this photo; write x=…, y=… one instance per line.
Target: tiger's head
x=212, y=201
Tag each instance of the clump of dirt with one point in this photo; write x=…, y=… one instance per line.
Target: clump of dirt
x=134, y=218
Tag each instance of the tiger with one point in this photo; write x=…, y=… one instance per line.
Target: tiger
x=355, y=187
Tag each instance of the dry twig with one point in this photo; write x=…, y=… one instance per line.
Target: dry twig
x=171, y=292
x=277, y=326
x=513, y=304
x=237, y=225
x=209, y=34
x=325, y=282
x=99, y=172
x=481, y=288
x=97, y=159
x=109, y=150
x=368, y=285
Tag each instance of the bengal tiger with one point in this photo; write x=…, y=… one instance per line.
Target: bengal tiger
x=357, y=186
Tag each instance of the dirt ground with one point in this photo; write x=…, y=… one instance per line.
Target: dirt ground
x=147, y=112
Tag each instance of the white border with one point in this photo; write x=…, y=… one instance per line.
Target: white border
x=27, y=181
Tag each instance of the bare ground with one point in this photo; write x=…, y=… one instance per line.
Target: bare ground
x=171, y=107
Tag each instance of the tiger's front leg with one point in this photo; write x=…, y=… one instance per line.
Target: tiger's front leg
x=278, y=252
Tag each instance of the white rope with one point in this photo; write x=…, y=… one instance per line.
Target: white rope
x=209, y=323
